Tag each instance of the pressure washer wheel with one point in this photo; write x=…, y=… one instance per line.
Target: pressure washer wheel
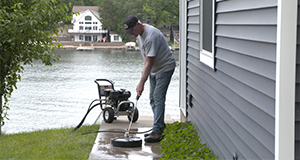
x=135, y=116
x=126, y=142
x=108, y=114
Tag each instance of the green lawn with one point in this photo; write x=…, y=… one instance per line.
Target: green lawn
x=48, y=144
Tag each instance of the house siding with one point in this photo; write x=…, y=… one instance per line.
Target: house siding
x=233, y=107
x=297, y=94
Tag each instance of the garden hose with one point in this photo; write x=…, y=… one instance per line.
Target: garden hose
x=131, y=132
x=88, y=111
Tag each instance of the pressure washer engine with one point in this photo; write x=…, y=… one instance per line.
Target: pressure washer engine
x=116, y=103
x=113, y=103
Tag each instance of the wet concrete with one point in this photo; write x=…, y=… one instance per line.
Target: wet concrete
x=103, y=149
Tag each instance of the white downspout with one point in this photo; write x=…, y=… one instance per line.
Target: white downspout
x=285, y=79
x=182, y=52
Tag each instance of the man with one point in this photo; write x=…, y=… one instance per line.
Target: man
x=159, y=65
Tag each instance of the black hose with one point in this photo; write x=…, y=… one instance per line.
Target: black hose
x=88, y=111
x=117, y=132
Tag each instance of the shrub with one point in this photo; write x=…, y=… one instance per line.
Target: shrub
x=181, y=142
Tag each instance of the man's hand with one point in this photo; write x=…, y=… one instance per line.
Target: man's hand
x=139, y=89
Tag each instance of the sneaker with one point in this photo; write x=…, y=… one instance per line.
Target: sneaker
x=153, y=138
x=147, y=134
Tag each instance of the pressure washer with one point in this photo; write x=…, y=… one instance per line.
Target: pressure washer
x=115, y=103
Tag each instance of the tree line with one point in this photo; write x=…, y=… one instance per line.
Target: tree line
x=113, y=12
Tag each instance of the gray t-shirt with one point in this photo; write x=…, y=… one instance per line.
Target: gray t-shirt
x=152, y=43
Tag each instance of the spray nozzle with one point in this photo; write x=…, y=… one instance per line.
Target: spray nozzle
x=126, y=135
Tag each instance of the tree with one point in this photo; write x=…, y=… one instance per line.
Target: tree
x=25, y=30
x=158, y=12
x=113, y=13
x=162, y=12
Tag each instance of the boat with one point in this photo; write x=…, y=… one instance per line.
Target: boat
x=130, y=46
x=84, y=48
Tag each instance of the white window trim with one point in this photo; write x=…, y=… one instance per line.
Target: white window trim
x=207, y=57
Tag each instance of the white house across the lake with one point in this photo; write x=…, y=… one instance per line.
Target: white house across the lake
x=87, y=26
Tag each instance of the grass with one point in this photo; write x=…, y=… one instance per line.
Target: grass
x=51, y=144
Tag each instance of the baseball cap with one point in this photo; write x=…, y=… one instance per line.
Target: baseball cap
x=129, y=24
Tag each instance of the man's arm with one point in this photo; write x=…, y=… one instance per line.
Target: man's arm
x=146, y=71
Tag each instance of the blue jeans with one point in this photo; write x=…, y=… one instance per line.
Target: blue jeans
x=158, y=89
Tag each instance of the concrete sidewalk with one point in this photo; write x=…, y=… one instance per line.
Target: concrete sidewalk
x=103, y=150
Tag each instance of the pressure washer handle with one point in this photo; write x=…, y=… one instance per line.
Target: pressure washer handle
x=132, y=115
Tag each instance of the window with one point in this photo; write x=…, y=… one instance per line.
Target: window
x=88, y=22
x=88, y=28
x=116, y=38
x=95, y=22
x=80, y=27
x=95, y=28
x=80, y=22
x=207, y=27
x=88, y=18
x=88, y=38
x=80, y=37
x=95, y=38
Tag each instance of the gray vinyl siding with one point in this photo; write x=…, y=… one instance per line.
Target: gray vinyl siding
x=233, y=107
x=297, y=94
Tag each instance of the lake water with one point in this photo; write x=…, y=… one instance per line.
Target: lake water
x=58, y=96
